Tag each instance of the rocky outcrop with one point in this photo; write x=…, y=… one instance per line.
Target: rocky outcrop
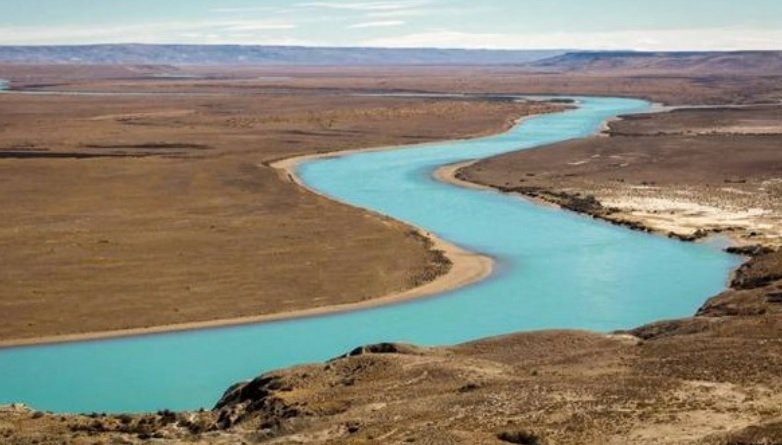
x=756, y=288
x=386, y=348
x=761, y=270
x=751, y=251
x=259, y=400
x=671, y=328
x=765, y=434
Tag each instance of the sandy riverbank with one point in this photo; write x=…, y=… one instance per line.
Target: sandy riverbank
x=466, y=268
x=447, y=174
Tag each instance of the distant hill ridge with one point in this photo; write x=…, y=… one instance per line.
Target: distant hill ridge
x=262, y=55
x=622, y=62
x=691, y=62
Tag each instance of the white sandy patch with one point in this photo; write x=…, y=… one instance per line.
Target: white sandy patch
x=711, y=410
x=164, y=113
x=736, y=191
x=685, y=216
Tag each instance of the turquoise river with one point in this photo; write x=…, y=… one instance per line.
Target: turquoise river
x=554, y=269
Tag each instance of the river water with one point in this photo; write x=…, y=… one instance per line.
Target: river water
x=554, y=269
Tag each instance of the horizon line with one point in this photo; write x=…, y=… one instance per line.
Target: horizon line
x=447, y=48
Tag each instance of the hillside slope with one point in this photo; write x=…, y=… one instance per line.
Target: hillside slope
x=680, y=63
x=261, y=55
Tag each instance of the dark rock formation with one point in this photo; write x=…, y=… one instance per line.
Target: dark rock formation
x=752, y=251
x=258, y=399
x=671, y=328
x=761, y=270
x=385, y=348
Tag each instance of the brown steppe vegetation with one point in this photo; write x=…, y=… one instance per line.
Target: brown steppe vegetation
x=695, y=87
x=139, y=211
x=713, y=379
x=157, y=219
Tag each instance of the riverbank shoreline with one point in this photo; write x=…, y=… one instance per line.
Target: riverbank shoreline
x=449, y=174
x=615, y=180
x=466, y=267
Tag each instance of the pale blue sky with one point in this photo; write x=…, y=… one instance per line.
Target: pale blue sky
x=589, y=24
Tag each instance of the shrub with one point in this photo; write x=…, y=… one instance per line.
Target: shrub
x=519, y=437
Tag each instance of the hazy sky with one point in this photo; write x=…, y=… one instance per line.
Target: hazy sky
x=594, y=24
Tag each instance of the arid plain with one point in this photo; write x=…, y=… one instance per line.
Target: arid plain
x=216, y=220
x=128, y=212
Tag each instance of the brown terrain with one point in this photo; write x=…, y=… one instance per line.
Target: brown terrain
x=682, y=63
x=166, y=204
x=713, y=379
x=730, y=80
x=140, y=211
x=688, y=172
